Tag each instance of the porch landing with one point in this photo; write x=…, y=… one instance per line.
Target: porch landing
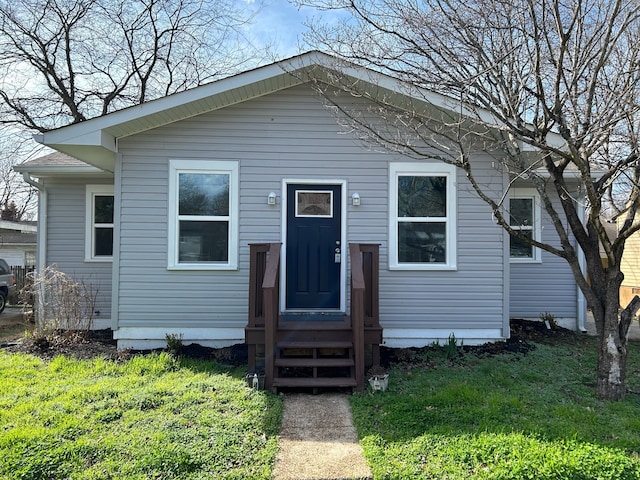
x=318, y=440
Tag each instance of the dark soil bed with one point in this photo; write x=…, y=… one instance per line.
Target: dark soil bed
x=524, y=335
x=101, y=344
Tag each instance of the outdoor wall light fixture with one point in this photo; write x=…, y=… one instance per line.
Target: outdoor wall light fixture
x=355, y=200
x=271, y=198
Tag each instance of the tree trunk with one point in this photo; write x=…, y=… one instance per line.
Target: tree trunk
x=612, y=356
x=612, y=326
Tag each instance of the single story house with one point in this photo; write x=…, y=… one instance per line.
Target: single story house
x=209, y=213
x=18, y=242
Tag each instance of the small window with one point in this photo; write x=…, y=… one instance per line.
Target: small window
x=203, y=215
x=423, y=216
x=314, y=203
x=524, y=216
x=100, y=219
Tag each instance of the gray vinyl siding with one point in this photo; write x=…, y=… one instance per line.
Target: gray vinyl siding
x=290, y=135
x=547, y=286
x=471, y=297
x=66, y=238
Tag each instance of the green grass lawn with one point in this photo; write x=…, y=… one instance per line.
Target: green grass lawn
x=503, y=416
x=508, y=416
x=151, y=417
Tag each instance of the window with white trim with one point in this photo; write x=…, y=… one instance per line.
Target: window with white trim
x=423, y=216
x=99, y=223
x=203, y=215
x=524, y=216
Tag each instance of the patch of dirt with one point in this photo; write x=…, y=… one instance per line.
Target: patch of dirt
x=524, y=335
x=101, y=344
x=13, y=325
x=537, y=331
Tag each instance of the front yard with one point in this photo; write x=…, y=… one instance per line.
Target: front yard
x=149, y=417
x=523, y=412
x=502, y=415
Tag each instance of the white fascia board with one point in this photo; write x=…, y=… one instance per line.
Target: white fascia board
x=93, y=146
x=18, y=227
x=89, y=132
x=47, y=171
x=103, y=131
x=379, y=80
x=91, y=136
x=570, y=174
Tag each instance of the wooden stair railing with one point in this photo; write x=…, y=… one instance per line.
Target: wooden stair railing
x=264, y=310
x=365, y=305
x=357, y=312
x=371, y=274
x=271, y=310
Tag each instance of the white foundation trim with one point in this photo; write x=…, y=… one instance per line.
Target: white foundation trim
x=147, y=338
x=405, y=338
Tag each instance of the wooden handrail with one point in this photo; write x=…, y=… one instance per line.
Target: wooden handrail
x=257, y=267
x=357, y=312
x=264, y=307
x=273, y=266
x=357, y=274
x=271, y=294
x=371, y=274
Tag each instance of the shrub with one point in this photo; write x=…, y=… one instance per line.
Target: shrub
x=63, y=306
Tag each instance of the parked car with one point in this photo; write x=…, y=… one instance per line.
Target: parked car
x=7, y=283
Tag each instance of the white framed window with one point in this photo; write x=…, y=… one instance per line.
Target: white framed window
x=423, y=216
x=525, y=216
x=203, y=215
x=99, y=220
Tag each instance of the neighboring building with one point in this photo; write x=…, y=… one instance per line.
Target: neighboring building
x=161, y=201
x=630, y=266
x=18, y=243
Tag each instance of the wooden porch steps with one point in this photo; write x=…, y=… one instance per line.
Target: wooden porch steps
x=320, y=382
x=314, y=362
x=313, y=349
x=318, y=344
x=314, y=358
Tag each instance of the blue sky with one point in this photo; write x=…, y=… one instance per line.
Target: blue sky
x=280, y=24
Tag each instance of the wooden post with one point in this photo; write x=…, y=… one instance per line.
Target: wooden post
x=257, y=267
x=357, y=312
x=270, y=287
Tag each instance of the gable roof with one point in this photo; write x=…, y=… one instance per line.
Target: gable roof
x=56, y=163
x=16, y=238
x=95, y=141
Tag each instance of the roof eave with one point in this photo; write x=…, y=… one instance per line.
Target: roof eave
x=53, y=170
x=95, y=141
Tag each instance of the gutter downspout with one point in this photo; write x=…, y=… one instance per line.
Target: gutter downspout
x=41, y=256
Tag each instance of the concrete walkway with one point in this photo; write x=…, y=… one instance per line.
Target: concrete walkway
x=318, y=440
x=633, y=334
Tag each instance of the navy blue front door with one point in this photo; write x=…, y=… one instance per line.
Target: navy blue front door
x=313, y=250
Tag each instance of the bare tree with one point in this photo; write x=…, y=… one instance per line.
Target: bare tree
x=557, y=78
x=16, y=196
x=63, y=61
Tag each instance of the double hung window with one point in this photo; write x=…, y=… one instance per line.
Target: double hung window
x=203, y=215
x=99, y=223
x=524, y=217
x=423, y=216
